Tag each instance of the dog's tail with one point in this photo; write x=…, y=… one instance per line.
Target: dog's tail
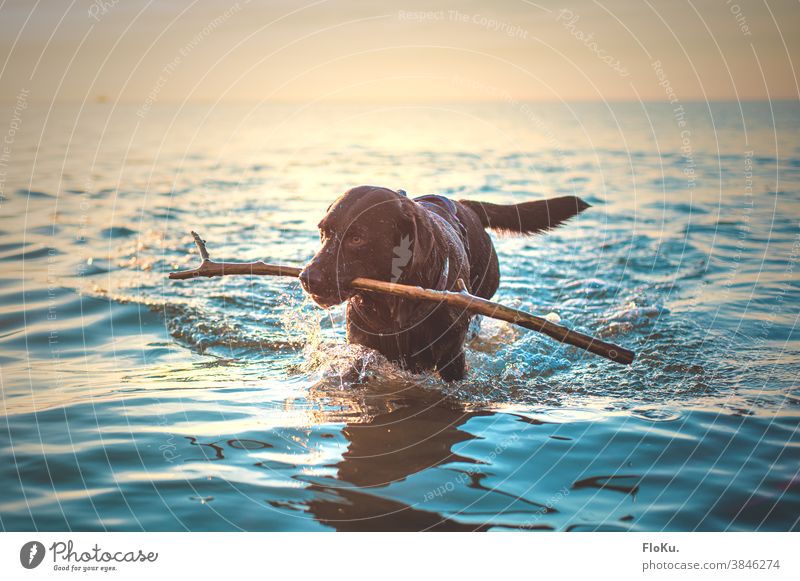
x=527, y=217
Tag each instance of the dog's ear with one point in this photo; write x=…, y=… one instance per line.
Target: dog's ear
x=415, y=241
x=414, y=250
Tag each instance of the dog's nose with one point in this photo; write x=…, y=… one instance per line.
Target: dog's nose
x=311, y=280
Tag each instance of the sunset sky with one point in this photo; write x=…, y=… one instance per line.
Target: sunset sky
x=170, y=50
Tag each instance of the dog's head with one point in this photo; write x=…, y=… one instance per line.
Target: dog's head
x=367, y=232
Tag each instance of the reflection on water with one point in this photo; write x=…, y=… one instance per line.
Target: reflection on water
x=130, y=402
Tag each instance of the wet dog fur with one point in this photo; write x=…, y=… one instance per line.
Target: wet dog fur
x=379, y=233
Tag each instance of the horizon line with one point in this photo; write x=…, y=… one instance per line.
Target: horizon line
x=105, y=100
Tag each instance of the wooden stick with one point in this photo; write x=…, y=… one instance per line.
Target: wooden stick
x=461, y=299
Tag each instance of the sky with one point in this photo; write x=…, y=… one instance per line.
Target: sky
x=149, y=51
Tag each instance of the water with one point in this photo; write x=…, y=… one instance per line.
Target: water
x=131, y=402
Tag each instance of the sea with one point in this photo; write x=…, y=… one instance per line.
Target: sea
x=132, y=402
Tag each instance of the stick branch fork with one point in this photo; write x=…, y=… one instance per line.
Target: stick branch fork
x=460, y=299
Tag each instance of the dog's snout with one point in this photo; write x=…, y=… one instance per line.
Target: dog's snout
x=311, y=279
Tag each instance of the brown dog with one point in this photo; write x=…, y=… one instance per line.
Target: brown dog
x=431, y=242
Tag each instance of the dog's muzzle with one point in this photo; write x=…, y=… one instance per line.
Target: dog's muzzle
x=323, y=291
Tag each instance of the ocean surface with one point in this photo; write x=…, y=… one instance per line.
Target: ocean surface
x=132, y=402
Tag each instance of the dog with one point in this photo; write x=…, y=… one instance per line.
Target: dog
x=429, y=241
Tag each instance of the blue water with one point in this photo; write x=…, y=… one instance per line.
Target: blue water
x=131, y=402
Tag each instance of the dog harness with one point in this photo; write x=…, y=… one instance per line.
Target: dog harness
x=440, y=202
